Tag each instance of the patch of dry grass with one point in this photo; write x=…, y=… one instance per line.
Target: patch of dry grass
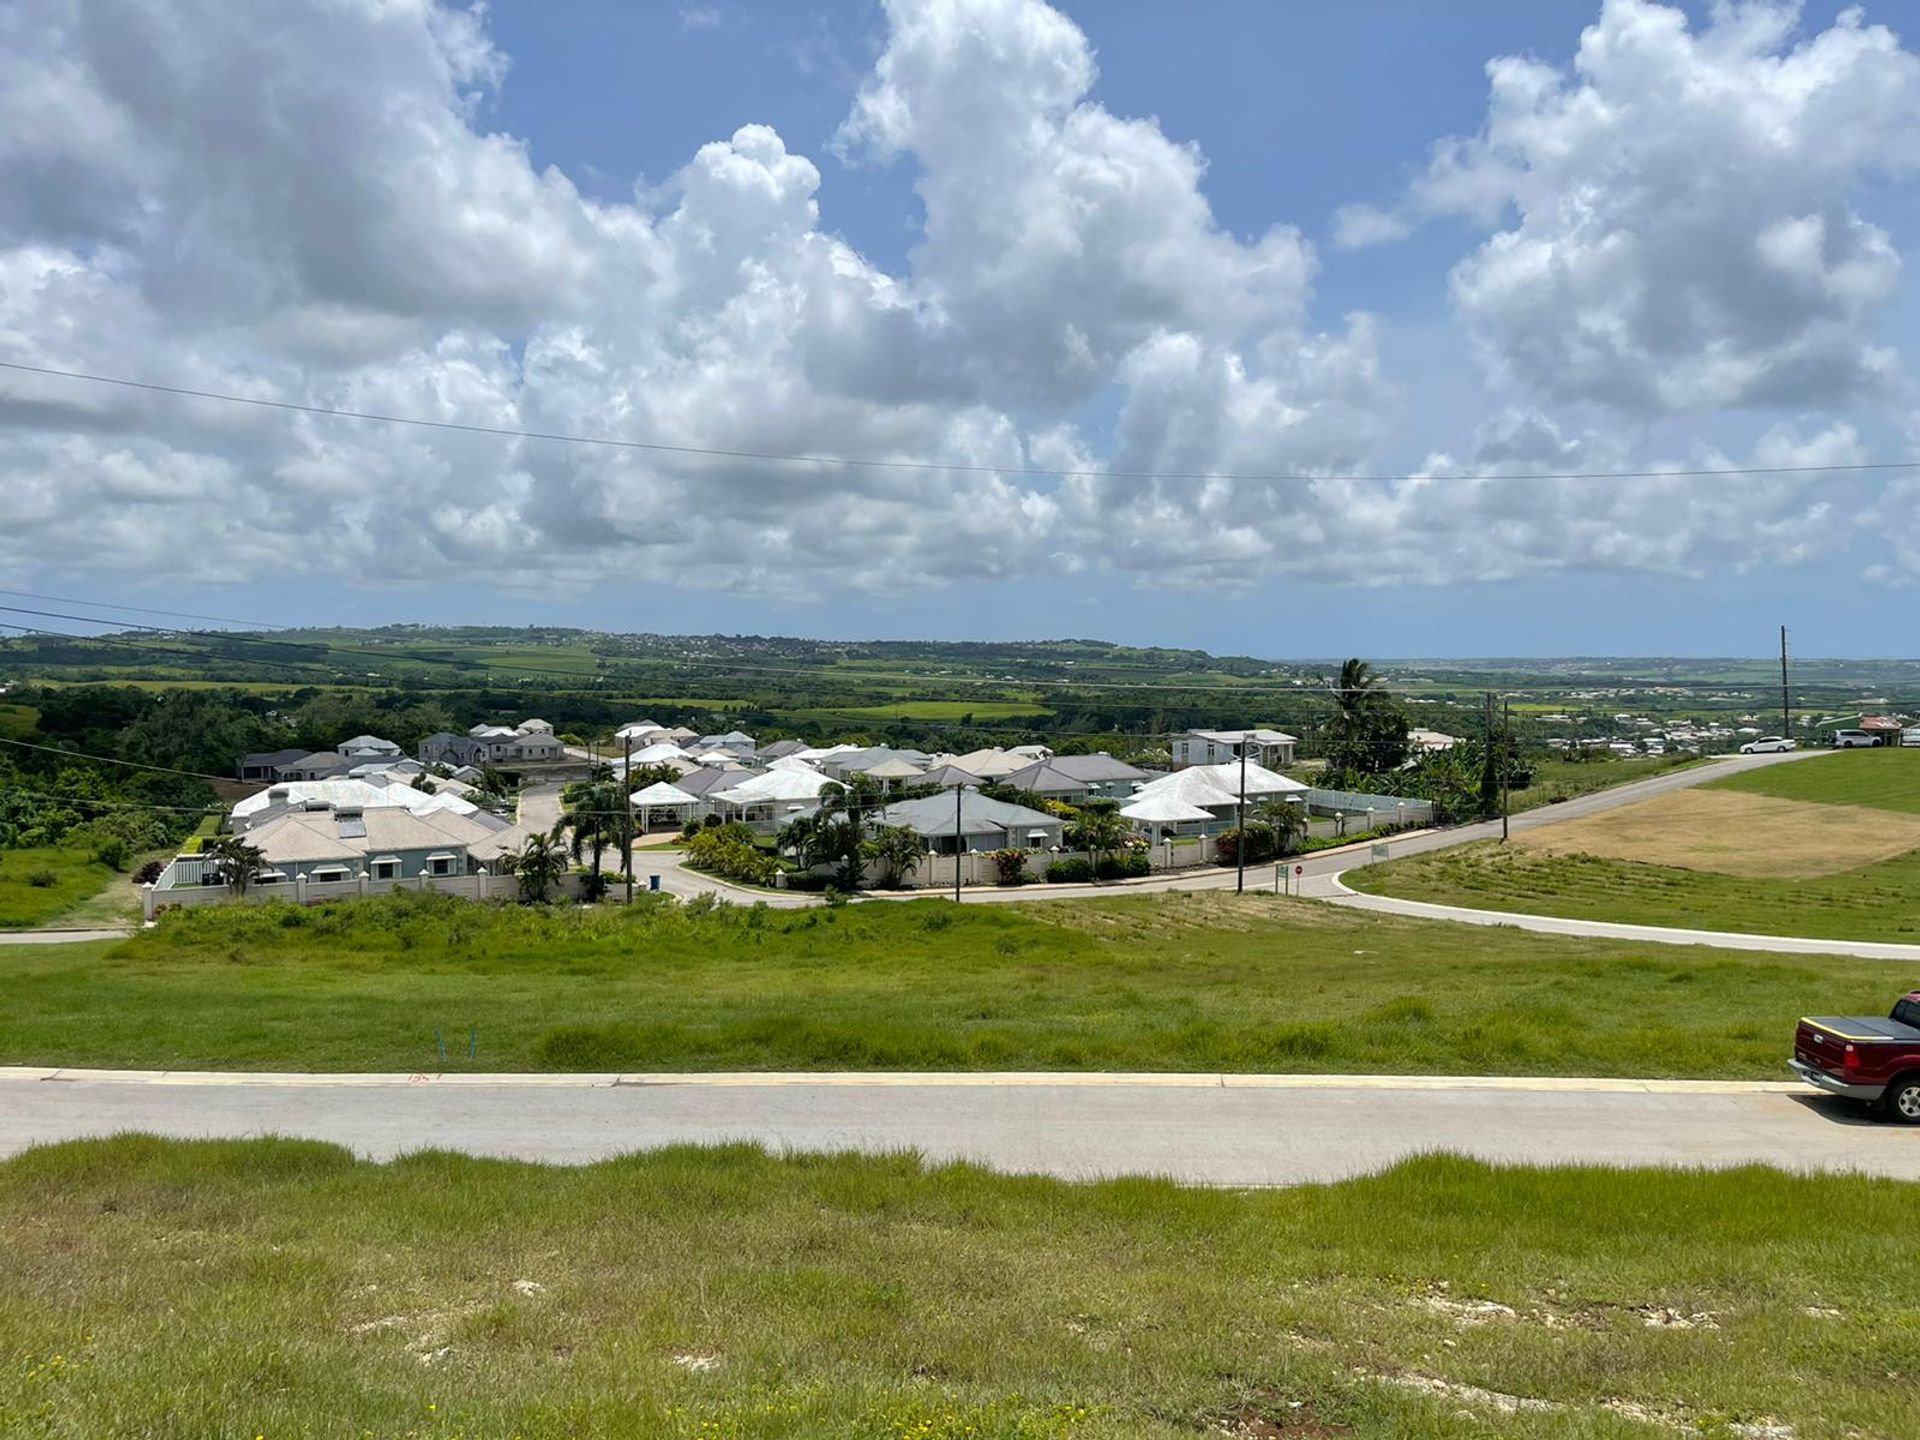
x=1731, y=833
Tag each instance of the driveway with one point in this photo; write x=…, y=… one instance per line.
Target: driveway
x=1202, y=1129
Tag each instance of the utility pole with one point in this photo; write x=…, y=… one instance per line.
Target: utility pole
x=1506, y=762
x=626, y=809
x=1240, y=848
x=1786, y=706
x=957, y=792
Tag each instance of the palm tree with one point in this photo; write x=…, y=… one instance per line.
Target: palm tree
x=235, y=861
x=897, y=849
x=596, y=814
x=1099, y=831
x=1357, y=690
x=538, y=864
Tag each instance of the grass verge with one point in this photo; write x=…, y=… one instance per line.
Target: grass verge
x=39, y=885
x=1176, y=982
x=1555, y=781
x=275, y=1288
x=1875, y=902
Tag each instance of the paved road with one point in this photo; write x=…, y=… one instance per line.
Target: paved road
x=1610, y=930
x=1320, y=869
x=1254, y=1130
x=59, y=937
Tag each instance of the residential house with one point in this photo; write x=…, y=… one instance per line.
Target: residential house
x=383, y=842
x=533, y=741
x=1427, y=742
x=265, y=766
x=1212, y=788
x=781, y=749
x=1210, y=747
x=1043, y=780
x=735, y=743
x=990, y=763
x=980, y=824
x=848, y=763
x=369, y=747
x=1074, y=778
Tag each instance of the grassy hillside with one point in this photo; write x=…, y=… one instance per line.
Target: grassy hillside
x=274, y=1288
x=1819, y=848
x=1193, y=983
x=1885, y=779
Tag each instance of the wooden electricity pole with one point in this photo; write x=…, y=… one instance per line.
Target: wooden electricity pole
x=1786, y=705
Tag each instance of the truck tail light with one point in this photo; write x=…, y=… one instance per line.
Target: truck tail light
x=1850, y=1058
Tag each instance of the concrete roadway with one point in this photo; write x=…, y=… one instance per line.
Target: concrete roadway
x=1200, y=1129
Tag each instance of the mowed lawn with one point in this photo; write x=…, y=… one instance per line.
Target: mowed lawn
x=1825, y=847
x=1884, y=779
x=176, y=1290
x=1178, y=982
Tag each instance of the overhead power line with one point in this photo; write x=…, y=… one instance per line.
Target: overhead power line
x=964, y=468
x=114, y=760
x=135, y=610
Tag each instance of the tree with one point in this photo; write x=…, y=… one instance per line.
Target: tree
x=596, y=814
x=235, y=862
x=538, y=865
x=1098, y=830
x=898, y=850
x=1368, y=735
x=1286, y=818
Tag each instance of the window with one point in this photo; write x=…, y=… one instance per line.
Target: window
x=442, y=865
x=386, y=869
x=1907, y=1012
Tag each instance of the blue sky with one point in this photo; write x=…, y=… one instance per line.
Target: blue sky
x=1298, y=111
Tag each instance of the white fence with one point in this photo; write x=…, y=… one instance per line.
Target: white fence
x=312, y=892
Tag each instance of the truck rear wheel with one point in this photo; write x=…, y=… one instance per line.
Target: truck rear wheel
x=1902, y=1102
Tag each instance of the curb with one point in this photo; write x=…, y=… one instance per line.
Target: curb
x=1017, y=1079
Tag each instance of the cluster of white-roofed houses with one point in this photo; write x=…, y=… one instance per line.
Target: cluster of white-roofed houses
x=943, y=797
x=365, y=817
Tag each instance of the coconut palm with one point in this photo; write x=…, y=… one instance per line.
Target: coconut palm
x=897, y=849
x=1099, y=831
x=539, y=864
x=595, y=815
x=235, y=861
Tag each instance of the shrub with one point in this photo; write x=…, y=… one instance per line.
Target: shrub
x=722, y=851
x=150, y=873
x=1125, y=865
x=113, y=853
x=1261, y=845
x=594, y=887
x=1074, y=870
x=690, y=829
x=42, y=879
x=1009, y=866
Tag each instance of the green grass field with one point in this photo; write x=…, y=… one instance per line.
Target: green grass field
x=1192, y=983
x=283, y=1289
x=1871, y=902
x=1886, y=779
x=1558, y=780
x=981, y=710
x=1875, y=902
x=76, y=879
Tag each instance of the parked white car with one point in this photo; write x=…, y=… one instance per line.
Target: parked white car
x=1855, y=740
x=1768, y=745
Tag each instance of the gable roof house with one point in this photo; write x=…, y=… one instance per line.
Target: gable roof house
x=1210, y=747
x=265, y=765
x=982, y=823
x=1067, y=777
x=369, y=747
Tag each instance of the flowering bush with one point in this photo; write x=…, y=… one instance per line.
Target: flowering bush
x=1009, y=866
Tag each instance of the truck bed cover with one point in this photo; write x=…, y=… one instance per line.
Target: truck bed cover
x=1871, y=1029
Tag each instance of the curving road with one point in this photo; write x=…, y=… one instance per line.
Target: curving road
x=1200, y=1129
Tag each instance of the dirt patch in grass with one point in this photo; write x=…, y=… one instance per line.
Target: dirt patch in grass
x=1730, y=833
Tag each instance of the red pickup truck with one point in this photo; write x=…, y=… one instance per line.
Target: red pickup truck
x=1865, y=1059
